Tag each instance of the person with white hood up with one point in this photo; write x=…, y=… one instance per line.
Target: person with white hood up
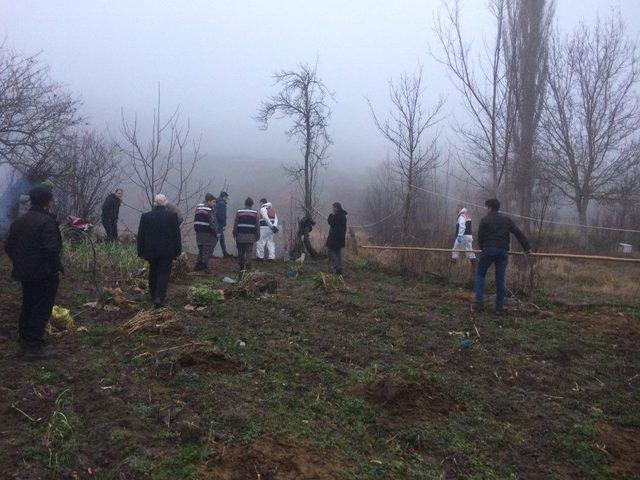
x=464, y=237
x=268, y=229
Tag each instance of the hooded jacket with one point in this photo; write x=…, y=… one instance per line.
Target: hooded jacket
x=337, y=230
x=463, y=225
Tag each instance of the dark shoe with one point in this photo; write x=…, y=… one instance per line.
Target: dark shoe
x=157, y=303
x=271, y=260
x=259, y=259
x=227, y=255
x=477, y=307
x=499, y=311
x=198, y=267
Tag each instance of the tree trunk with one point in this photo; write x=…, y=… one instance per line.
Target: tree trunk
x=582, y=220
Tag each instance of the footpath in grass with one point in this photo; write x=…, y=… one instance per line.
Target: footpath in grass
x=382, y=377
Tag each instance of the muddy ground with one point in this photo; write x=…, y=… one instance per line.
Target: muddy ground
x=371, y=382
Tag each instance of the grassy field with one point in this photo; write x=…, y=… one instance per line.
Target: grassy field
x=370, y=381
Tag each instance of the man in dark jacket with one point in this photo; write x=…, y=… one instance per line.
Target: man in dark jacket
x=336, y=238
x=205, y=226
x=493, y=238
x=159, y=243
x=221, y=220
x=246, y=231
x=35, y=246
x=110, y=214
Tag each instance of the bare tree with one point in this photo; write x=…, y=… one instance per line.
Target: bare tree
x=592, y=113
x=527, y=47
x=406, y=128
x=36, y=113
x=303, y=99
x=487, y=92
x=166, y=161
x=91, y=166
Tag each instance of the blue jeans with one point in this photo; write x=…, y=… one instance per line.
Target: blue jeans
x=222, y=242
x=489, y=255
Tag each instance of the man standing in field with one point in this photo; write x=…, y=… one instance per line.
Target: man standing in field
x=221, y=220
x=464, y=238
x=246, y=231
x=268, y=229
x=494, y=240
x=110, y=214
x=34, y=245
x=204, y=224
x=159, y=243
x=336, y=240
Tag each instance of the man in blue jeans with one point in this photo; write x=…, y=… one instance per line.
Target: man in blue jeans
x=494, y=239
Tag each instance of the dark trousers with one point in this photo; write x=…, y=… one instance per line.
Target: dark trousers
x=335, y=259
x=38, y=299
x=204, y=253
x=499, y=257
x=245, y=251
x=111, y=228
x=159, y=272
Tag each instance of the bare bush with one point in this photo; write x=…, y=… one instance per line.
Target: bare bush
x=91, y=169
x=407, y=128
x=36, y=114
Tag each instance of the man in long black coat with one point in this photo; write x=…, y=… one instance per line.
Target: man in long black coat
x=110, y=214
x=336, y=239
x=159, y=243
x=34, y=245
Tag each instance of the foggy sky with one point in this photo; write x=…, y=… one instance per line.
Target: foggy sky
x=216, y=58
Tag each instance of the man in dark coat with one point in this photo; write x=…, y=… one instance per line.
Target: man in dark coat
x=159, y=243
x=494, y=240
x=337, y=237
x=110, y=214
x=34, y=245
x=221, y=219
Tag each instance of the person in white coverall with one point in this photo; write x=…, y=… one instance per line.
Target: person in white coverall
x=268, y=229
x=464, y=237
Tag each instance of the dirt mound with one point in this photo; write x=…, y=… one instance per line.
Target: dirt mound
x=405, y=400
x=269, y=458
x=623, y=444
x=207, y=360
x=607, y=321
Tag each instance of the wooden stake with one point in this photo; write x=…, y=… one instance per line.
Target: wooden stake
x=532, y=254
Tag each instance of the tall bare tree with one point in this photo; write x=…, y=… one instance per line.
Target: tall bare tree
x=303, y=100
x=164, y=162
x=91, y=169
x=527, y=47
x=592, y=113
x=407, y=129
x=36, y=114
x=487, y=92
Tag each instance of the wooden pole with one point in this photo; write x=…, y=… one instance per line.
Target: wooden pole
x=532, y=254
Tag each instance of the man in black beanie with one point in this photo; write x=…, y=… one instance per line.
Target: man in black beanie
x=34, y=245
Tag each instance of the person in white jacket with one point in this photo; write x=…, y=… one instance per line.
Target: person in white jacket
x=464, y=237
x=268, y=229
